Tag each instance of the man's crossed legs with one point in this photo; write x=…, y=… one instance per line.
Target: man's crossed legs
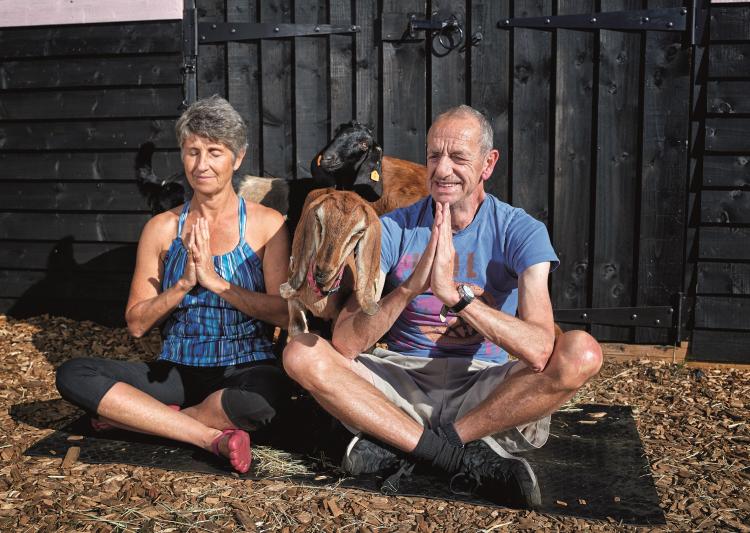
x=513, y=401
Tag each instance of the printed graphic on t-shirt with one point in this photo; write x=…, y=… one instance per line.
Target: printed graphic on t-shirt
x=455, y=330
x=491, y=253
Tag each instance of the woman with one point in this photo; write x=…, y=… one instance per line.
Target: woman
x=209, y=272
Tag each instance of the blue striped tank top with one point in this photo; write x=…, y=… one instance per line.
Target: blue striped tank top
x=204, y=329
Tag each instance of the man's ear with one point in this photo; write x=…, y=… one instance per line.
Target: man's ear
x=490, y=161
x=239, y=158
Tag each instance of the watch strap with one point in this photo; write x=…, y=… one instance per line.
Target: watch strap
x=460, y=305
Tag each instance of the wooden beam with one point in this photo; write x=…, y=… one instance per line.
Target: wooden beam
x=668, y=354
x=718, y=366
x=651, y=352
x=58, y=12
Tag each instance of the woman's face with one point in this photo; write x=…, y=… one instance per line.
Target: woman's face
x=208, y=165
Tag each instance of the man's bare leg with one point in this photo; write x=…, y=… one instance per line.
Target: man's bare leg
x=575, y=359
x=330, y=378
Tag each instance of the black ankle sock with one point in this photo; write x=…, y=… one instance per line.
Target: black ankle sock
x=438, y=451
x=449, y=432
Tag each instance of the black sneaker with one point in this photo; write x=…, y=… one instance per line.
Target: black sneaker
x=505, y=481
x=364, y=456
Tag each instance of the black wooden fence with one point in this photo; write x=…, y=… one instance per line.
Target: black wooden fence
x=593, y=128
x=721, y=186
x=76, y=102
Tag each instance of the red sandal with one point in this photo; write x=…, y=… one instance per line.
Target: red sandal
x=238, y=444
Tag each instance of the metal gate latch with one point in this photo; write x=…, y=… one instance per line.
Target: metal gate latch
x=446, y=30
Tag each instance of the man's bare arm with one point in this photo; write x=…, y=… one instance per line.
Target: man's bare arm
x=531, y=336
x=355, y=331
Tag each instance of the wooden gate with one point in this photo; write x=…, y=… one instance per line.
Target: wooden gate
x=592, y=125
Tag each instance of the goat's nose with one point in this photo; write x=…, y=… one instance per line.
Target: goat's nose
x=330, y=160
x=320, y=277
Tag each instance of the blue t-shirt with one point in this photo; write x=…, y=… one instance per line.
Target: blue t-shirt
x=500, y=243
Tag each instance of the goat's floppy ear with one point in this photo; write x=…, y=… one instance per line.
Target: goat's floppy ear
x=305, y=241
x=367, y=261
x=320, y=177
x=368, y=182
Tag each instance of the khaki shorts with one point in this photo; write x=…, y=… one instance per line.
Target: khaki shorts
x=439, y=391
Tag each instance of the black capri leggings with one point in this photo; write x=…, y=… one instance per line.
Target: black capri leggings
x=254, y=392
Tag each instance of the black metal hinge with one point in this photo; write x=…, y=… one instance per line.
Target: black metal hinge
x=663, y=19
x=667, y=19
x=195, y=34
x=672, y=317
x=222, y=32
x=690, y=19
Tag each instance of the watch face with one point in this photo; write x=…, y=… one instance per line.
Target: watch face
x=466, y=290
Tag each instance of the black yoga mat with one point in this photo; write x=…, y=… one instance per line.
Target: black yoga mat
x=593, y=465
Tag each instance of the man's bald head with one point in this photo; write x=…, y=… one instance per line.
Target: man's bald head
x=486, y=135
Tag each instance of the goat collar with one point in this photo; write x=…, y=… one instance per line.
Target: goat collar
x=314, y=286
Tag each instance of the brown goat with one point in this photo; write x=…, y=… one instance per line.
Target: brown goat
x=336, y=249
x=351, y=161
x=404, y=183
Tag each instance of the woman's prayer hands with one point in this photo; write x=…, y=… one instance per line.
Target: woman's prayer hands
x=200, y=260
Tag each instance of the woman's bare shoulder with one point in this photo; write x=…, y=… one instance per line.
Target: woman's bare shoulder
x=264, y=220
x=163, y=227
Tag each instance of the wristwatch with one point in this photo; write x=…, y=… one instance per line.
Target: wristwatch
x=467, y=296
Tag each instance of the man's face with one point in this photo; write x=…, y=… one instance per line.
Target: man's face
x=456, y=164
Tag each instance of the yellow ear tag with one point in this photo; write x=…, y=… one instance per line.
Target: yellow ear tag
x=374, y=176
x=318, y=161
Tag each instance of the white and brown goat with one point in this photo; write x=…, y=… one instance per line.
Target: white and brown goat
x=336, y=250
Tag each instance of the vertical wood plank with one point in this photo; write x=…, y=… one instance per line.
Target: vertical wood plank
x=310, y=87
x=341, y=67
x=531, y=112
x=211, y=57
x=276, y=92
x=367, y=78
x=664, y=171
x=699, y=72
x=490, y=83
x=574, y=84
x=617, y=170
x=447, y=73
x=404, y=101
x=243, y=84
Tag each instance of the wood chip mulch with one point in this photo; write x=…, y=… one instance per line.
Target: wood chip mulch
x=693, y=423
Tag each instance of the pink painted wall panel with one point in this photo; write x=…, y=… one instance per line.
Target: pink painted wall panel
x=58, y=12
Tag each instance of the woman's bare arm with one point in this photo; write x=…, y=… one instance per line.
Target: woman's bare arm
x=147, y=304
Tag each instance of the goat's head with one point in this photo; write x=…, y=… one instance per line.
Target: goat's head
x=351, y=162
x=334, y=225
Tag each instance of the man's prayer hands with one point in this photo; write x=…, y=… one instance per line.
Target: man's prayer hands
x=435, y=267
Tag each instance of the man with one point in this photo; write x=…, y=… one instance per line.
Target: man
x=466, y=283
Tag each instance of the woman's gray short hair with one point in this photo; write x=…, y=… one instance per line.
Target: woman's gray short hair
x=213, y=118
x=486, y=136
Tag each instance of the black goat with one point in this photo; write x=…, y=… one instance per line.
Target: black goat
x=353, y=161
x=160, y=194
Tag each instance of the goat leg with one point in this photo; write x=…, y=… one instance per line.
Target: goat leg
x=297, y=318
x=286, y=291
